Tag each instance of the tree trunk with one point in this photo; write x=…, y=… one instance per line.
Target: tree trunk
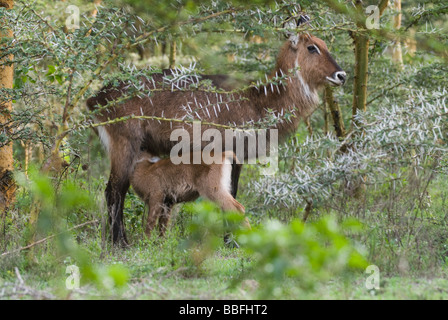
x=308, y=125
x=362, y=41
x=7, y=185
x=361, y=74
x=411, y=43
x=147, y=49
x=356, y=188
x=335, y=112
x=173, y=52
x=397, y=55
x=95, y=11
x=27, y=151
x=326, y=117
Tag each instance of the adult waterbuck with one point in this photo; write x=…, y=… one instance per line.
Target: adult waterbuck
x=303, y=59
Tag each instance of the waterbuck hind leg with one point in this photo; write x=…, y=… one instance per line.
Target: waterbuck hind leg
x=236, y=172
x=155, y=210
x=164, y=218
x=228, y=203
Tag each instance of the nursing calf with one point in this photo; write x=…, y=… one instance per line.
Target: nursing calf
x=162, y=184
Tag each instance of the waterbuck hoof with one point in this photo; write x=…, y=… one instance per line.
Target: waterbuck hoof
x=230, y=242
x=121, y=242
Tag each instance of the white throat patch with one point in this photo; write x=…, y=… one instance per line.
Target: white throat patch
x=310, y=95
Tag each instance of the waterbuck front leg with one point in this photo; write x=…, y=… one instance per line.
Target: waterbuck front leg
x=122, y=154
x=116, y=190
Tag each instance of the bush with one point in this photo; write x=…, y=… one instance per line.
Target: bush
x=309, y=253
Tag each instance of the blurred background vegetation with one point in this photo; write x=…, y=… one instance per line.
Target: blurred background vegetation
x=367, y=169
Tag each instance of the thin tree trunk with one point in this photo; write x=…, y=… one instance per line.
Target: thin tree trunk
x=308, y=125
x=95, y=11
x=360, y=75
x=163, y=48
x=308, y=209
x=397, y=55
x=362, y=42
x=326, y=119
x=147, y=49
x=7, y=185
x=27, y=151
x=173, y=53
x=357, y=188
x=411, y=43
x=335, y=112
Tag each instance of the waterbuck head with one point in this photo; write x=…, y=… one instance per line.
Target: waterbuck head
x=309, y=55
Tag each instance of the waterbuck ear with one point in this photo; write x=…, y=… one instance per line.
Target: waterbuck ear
x=291, y=23
x=303, y=19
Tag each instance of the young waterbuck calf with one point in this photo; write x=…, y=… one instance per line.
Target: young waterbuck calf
x=162, y=184
x=303, y=59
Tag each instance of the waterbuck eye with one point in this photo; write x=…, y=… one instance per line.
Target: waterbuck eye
x=312, y=49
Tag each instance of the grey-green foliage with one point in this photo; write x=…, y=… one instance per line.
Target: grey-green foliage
x=391, y=143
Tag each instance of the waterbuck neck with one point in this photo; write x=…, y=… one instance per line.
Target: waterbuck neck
x=295, y=95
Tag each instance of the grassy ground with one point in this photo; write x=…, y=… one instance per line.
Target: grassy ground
x=164, y=269
x=158, y=272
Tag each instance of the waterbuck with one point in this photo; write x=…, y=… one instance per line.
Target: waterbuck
x=162, y=184
x=303, y=59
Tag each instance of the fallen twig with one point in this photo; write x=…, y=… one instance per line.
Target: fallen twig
x=47, y=238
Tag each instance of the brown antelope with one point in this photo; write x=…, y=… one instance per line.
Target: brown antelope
x=303, y=58
x=162, y=184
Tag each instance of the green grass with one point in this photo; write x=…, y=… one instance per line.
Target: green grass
x=158, y=272
x=412, y=264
